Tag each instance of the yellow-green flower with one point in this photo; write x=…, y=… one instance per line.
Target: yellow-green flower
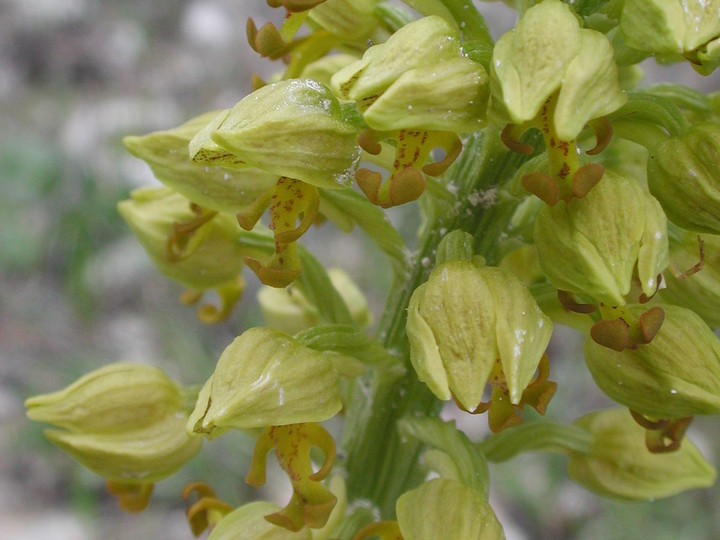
x=471, y=326
x=419, y=96
x=294, y=130
x=549, y=73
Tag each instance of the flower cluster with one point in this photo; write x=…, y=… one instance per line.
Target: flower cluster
x=461, y=124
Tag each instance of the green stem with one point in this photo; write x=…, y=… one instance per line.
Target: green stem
x=536, y=437
x=380, y=465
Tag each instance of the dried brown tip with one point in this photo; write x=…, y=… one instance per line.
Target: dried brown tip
x=669, y=438
x=694, y=269
x=568, y=301
x=131, y=498
x=266, y=41
x=650, y=323
x=585, y=178
x=368, y=141
x=273, y=277
x=369, y=182
x=510, y=136
x=405, y=186
x=451, y=153
x=613, y=334
x=603, y=134
x=542, y=186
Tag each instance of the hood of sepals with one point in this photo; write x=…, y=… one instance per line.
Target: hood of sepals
x=214, y=187
x=683, y=174
x=619, y=465
x=348, y=19
x=701, y=291
x=248, y=521
x=213, y=257
x=462, y=320
x=549, y=52
x=669, y=26
x=593, y=245
x=123, y=421
x=292, y=128
x=266, y=378
x=675, y=376
x=418, y=78
x=443, y=508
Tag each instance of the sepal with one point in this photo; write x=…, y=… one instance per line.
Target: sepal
x=266, y=378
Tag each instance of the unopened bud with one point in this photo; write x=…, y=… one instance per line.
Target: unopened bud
x=619, y=465
x=126, y=422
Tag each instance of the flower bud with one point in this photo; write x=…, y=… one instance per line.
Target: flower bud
x=248, y=523
x=124, y=421
x=216, y=188
x=466, y=324
x=618, y=464
x=266, y=378
x=444, y=508
x=549, y=53
x=597, y=245
x=430, y=85
x=700, y=290
x=289, y=311
x=675, y=376
x=291, y=128
x=683, y=175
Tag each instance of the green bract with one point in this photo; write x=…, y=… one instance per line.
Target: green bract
x=595, y=245
x=677, y=375
x=444, y=508
x=418, y=78
x=463, y=320
x=689, y=27
x=126, y=422
x=700, y=291
x=548, y=53
x=266, y=378
x=209, y=186
x=210, y=258
x=684, y=175
x=619, y=465
x=291, y=128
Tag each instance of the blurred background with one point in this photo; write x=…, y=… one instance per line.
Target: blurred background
x=77, y=291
